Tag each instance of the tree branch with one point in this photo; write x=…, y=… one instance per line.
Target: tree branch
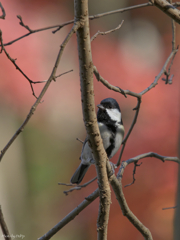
x=4, y=226
x=59, y=26
x=52, y=77
x=120, y=10
x=75, y=186
x=3, y=12
x=17, y=67
x=90, y=119
x=117, y=187
x=107, y=32
x=137, y=108
x=163, y=70
x=88, y=200
x=168, y=9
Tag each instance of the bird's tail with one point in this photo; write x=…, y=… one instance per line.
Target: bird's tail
x=79, y=173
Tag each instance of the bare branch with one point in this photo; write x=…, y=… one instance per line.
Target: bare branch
x=134, y=172
x=63, y=73
x=168, y=9
x=142, y=156
x=172, y=54
x=120, y=10
x=52, y=77
x=79, y=140
x=117, y=187
x=3, y=11
x=23, y=25
x=137, y=108
x=169, y=208
x=110, y=31
x=111, y=87
x=76, y=187
x=17, y=67
x=4, y=226
x=88, y=200
x=39, y=30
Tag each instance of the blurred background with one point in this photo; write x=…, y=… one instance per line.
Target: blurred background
x=47, y=151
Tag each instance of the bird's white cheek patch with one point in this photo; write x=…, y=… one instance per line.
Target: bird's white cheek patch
x=114, y=114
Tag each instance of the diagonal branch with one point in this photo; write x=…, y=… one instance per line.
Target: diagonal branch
x=168, y=9
x=59, y=26
x=107, y=32
x=75, y=186
x=163, y=70
x=137, y=108
x=52, y=77
x=4, y=226
x=117, y=187
x=3, y=12
x=88, y=200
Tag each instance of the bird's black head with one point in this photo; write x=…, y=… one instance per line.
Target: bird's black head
x=109, y=111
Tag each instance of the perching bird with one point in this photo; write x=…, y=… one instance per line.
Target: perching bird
x=112, y=133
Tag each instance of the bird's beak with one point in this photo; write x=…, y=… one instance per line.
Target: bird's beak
x=100, y=106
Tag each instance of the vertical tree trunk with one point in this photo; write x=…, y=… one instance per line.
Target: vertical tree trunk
x=89, y=114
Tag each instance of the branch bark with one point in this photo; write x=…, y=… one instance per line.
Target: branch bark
x=90, y=120
x=168, y=9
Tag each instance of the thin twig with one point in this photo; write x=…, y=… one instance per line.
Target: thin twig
x=76, y=187
x=88, y=200
x=142, y=156
x=4, y=226
x=110, y=31
x=23, y=25
x=163, y=70
x=120, y=10
x=137, y=108
x=169, y=208
x=17, y=67
x=39, y=30
x=51, y=78
x=3, y=11
x=134, y=172
x=63, y=73
x=79, y=140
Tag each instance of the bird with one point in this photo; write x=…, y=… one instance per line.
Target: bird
x=112, y=132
